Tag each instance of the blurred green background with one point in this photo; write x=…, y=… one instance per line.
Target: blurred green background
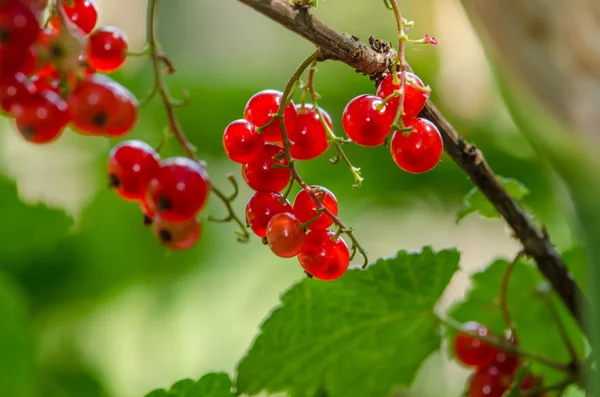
x=91, y=305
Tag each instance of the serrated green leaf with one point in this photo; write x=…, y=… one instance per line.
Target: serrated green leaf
x=215, y=384
x=361, y=335
x=475, y=201
x=528, y=309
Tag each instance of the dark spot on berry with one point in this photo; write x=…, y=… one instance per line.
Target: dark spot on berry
x=164, y=204
x=265, y=241
x=100, y=119
x=56, y=52
x=5, y=36
x=28, y=132
x=147, y=221
x=165, y=236
x=113, y=181
x=308, y=274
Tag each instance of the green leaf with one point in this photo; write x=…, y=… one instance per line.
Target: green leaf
x=17, y=365
x=27, y=227
x=361, y=335
x=529, y=311
x=216, y=384
x=576, y=260
x=475, y=201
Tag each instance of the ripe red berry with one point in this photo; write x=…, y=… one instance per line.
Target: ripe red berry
x=472, y=351
x=41, y=117
x=13, y=89
x=419, y=150
x=261, y=108
x=489, y=382
x=131, y=165
x=309, y=138
x=22, y=60
x=261, y=207
x=364, y=123
x=505, y=361
x=322, y=257
x=414, y=99
x=45, y=83
x=83, y=13
x=177, y=236
x=106, y=49
x=260, y=174
x=127, y=115
x=178, y=190
x=36, y=6
x=241, y=142
x=285, y=235
x=306, y=209
x=19, y=26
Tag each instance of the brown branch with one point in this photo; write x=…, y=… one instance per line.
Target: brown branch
x=378, y=64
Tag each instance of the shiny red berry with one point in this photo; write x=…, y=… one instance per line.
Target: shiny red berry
x=261, y=207
x=42, y=117
x=106, y=49
x=126, y=117
x=419, y=150
x=488, y=382
x=23, y=60
x=309, y=138
x=241, y=142
x=13, y=89
x=505, y=361
x=414, y=98
x=176, y=236
x=45, y=83
x=178, y=190
x=131, y=165
x=19, y=26
x=285, y=235
x=83, y=13
x=260, y=174
x=472, y=351
x=322, y=257
x=364, y=123
x=306, y=209
x=261, y=108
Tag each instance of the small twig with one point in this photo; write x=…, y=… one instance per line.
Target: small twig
x=504, y=293
x=537, y=391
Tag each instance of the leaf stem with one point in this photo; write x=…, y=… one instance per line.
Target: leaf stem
x=504, y=293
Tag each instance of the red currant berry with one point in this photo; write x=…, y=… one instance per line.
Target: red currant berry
x=36, y=6
x=148, y=214
x=306, y=209
x=260, y=110
x=82, y=13
x=472, y=351
x=309, y=138
x=127, y=116
x=18, y=61
x=41, y=117
x=263, y=206
x=285, y=235
x=19, y=26
x=419, y=150
x=414, y=99
x=241, y=142
x=178, y=190
x=322, y=257
x=489, y=382
x=131, y=165
x=45, y=83
x=364, y=123
x=260, y=174
x=106, y=49
x=177, y=236
x=14, y=89
x=505, y=361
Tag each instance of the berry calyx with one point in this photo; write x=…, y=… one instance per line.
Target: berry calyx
x=324, y=258
x=472, y=351
x=414, y=98
x=41, y=117
x=419, y=150
x=241, y=142
x=261, y=174
x=285, y=235
x=309, y=138
x=364, y=122
x=260, y=110
x=306, y=209
x=178, y=190
x=131, y=165
x=176, y=236
x=263, y=206
x=106, y=49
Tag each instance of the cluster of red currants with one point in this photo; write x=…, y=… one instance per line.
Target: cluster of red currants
x=495, y=369
x=255, y=142
x=170, y=192
x=368, y=120
x=50, y=64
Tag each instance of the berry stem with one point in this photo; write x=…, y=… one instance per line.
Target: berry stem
x=401, y=59
x=504, y=293
x=335, y=140
x=158, y=58
x=538, y=391
x=316, y=56
x=501, y=344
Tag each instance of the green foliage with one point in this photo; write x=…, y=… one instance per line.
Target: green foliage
x=361, y=335
x=210, y=385
x=475, y=201
x=537, y=328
